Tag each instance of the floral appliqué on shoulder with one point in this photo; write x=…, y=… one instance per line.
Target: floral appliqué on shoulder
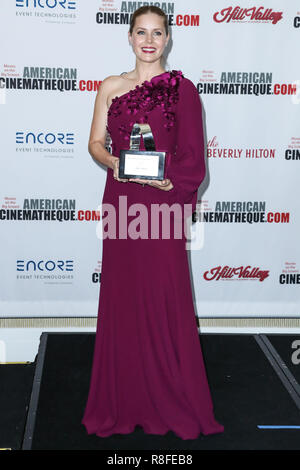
x=161, y=90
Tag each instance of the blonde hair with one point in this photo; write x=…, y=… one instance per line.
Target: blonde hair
x=149, y=9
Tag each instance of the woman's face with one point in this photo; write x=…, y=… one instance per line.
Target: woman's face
x=148, y=37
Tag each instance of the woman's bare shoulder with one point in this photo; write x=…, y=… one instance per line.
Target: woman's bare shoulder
x=110, y=87
x=111, y=82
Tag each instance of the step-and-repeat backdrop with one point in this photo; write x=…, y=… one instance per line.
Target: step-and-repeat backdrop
x=244, y=60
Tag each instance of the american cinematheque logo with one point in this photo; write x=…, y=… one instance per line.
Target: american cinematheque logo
x=112, y=12
x=292, y=152
x=243, y=83
x=31, y=77
x=290, y=274
x=241, y=212
x=131, y=222
x=39, y=78
x=60, y=210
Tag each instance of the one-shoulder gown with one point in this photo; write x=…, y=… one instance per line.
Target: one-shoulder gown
x=148, y=367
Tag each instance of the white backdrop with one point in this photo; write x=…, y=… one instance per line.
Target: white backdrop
x=52, y=267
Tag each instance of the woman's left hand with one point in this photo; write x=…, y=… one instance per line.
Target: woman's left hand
x=165, y=184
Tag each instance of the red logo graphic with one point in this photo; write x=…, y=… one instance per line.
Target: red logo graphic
x=226, y=272
x=241, y=14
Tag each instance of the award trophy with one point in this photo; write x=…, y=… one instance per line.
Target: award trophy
x=143, y=164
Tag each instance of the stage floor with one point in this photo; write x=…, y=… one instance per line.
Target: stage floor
x=254, y=382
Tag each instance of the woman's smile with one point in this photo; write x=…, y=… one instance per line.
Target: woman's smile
x=148, y=50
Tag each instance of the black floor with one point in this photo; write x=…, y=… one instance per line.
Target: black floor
x=253, y=381
x=16, y=382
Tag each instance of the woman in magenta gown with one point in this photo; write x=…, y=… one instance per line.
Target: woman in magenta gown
x=148, y=368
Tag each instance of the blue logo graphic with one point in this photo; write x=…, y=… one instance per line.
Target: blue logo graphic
x=49, y=265
x=49, y=138
x=64, y=4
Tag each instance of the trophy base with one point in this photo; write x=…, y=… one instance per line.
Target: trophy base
x=142, y=164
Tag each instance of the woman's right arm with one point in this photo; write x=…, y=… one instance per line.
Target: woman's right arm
x=97, y=139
